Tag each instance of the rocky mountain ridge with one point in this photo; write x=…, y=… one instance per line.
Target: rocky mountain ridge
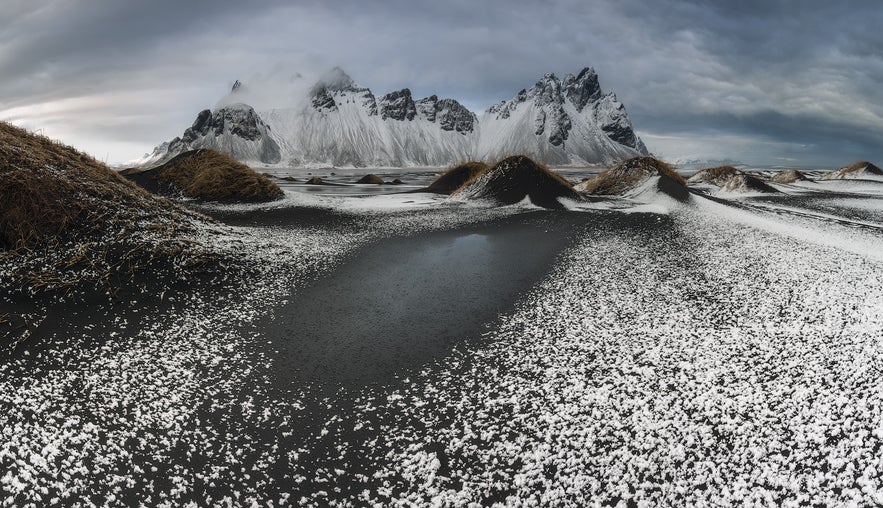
x=558, y=122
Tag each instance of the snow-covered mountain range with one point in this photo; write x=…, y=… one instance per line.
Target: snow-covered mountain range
x=566, y=121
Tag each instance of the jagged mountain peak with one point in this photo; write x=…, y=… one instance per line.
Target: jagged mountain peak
x=236, y=129
x=397, y=105
x=586, y=71
x=236, y=86
x=450, y=114
x=565, y=121
x=583, y=88
x=335, y=80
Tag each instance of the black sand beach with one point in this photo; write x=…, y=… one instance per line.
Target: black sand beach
x=402, y=302
x=396, y=355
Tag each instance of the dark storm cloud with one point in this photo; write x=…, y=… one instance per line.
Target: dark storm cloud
x=759, y=81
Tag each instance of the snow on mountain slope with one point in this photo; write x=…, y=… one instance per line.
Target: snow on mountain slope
x=560, y=123
x=339, y=123
x=235, y=129
x=345, y=125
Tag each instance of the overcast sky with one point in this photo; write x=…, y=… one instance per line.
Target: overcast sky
x=760, y=81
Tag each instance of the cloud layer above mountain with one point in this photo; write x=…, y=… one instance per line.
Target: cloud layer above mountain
x=767, y=82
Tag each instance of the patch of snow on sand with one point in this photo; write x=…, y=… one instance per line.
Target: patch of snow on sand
x=109, y=409
x=709, y=361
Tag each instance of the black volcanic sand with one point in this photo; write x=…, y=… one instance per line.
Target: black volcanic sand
x=826, y=206
x=278, y=217
x=393, y=307
x=404, y=301
x=397, y=306
x=836, y=207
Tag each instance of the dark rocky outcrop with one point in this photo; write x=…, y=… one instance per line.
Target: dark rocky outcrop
x=611, y=116
x=397, y=105
x=450, y=114
x=583, y=88
x=323, y=101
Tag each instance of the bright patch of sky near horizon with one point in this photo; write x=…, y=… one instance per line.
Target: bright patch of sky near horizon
x=764, y=82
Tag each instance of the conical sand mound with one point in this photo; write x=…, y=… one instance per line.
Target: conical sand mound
x=455, y=177
x=789, y=176
x=209, y=175
x=632, y=175
x=716, y=176
x=744, y=183
x=859, y=169
x=371, y=179
x=515, y=178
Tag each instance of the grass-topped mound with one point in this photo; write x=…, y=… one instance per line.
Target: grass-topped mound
x=208, y=175
x=515, y=178
x=743, y=183
x=371, y=179
x=66, y=218
x=455, y=177
x=789, y=176
x=716, y=176
x=631, y=174
x=860, y=169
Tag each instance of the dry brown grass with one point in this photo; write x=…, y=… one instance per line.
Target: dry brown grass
x=65, y=216
x=852, y=171
x=47, y=188
x=511, y=164
x=718, y=175
x=788, y=176
x=456, y=176
x=214, y=176
x=627, y=175
x=747, y=183
x=858, y=166
x=514, y=178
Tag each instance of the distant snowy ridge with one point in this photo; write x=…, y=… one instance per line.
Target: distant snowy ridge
x=338, y=123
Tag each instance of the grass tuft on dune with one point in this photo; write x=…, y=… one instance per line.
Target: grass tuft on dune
x=631, y=173
x=66, y=218
x=208, y=175
x=718, y=175
x=515, y=178
x=454, y=178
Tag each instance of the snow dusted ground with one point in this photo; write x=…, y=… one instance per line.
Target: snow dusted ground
x=707, y=353
x=153, y=402
x=688, y=359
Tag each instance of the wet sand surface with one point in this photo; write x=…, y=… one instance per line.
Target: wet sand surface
x=404, y=301
x=399, y=302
